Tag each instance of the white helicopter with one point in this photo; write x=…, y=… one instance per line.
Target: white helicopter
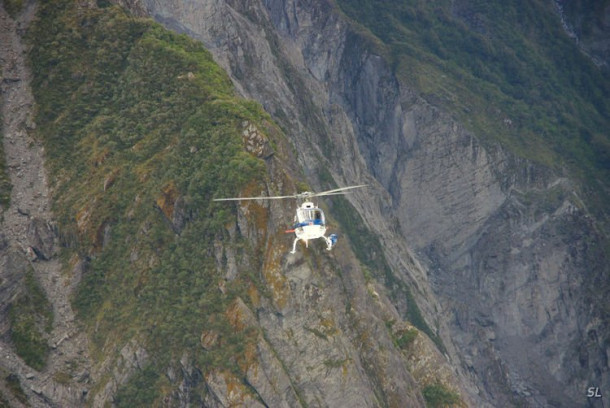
x=309, y=221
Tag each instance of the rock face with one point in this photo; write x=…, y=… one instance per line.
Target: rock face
x=29, y=241
x=514, y=269
x=589, y=25
x=509, y=270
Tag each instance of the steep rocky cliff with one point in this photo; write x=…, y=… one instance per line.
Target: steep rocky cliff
x=181, y=301
x=516, y=266
x=588, y=23
x=468, y=273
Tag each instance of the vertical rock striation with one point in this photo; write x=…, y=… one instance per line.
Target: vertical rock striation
x=28, y=236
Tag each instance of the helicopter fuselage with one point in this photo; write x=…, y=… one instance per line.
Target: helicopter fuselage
x=310, y=223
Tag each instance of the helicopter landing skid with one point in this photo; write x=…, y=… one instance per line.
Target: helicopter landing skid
x=294, y=245
x=330, y=242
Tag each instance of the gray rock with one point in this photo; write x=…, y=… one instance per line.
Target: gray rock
x=41, y=236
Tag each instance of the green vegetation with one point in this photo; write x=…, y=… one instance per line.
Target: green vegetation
x=506, y=70
x=335, y=363
x=14, y=386
x=5, y=182
x=438, y=396
x=12, y=7
x=142, y=129
x=316, y=332
x=406, y=338
x=31, y=319
x=141, y=390
x=62, y=377
x=402, y=338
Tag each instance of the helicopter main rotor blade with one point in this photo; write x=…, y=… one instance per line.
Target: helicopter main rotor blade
x=337, y=191
x=334, y=194
x=254, y=198
x=303, y=195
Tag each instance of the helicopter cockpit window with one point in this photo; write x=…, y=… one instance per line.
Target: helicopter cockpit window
x=318, y=217
x=309, y=215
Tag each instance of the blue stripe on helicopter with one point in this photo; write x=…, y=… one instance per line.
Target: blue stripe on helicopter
x=306, y=223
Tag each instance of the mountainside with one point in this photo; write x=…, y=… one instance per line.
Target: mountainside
x=182, y=300
x=588, y=23
x=473, y=271
x=511, y=253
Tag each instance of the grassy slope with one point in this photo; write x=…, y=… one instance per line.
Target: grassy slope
x=31, y=318
x=506, y=70
x=135, y=119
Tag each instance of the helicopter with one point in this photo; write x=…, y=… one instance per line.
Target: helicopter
x=309, y=221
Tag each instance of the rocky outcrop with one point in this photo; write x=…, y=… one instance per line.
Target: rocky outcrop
x=28, y=237
x=131, y=358
x=509, y=253
x=42, y=238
